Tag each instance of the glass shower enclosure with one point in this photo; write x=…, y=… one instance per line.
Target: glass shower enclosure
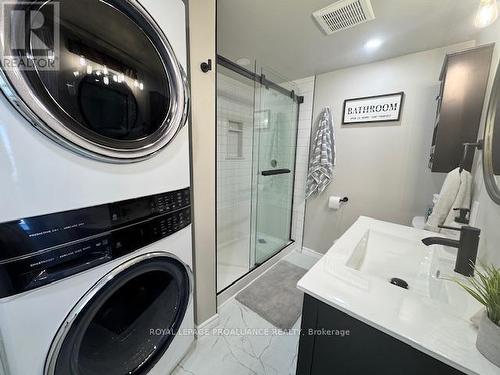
x=257, y=121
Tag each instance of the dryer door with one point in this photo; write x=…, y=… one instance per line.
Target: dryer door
x=98, y=76
x=126, y=322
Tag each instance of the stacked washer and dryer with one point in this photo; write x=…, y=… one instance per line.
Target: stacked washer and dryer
x=95, y=210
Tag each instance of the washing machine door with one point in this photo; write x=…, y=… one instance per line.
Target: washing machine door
x=98, y=76
x=126, y=322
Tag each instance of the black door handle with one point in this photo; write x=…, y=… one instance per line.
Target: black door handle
x=272, y=172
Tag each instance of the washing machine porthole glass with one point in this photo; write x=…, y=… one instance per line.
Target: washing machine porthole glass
x=118, y=91
x=128, y=324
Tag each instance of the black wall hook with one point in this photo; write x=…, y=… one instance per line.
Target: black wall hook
x=206, y=66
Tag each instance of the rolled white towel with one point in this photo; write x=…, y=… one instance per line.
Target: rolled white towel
x=455, y=193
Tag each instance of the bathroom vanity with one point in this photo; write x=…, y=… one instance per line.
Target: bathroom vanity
x=357, y=321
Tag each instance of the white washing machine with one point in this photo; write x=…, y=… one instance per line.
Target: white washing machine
x=82, y=294
x=95, y=267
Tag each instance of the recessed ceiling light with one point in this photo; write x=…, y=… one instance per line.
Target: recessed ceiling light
x=373, y=44
x=487, y=13
x=243, y=61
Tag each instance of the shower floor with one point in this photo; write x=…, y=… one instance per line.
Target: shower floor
x=234, y=258
x=267, y=246
x=233, y=262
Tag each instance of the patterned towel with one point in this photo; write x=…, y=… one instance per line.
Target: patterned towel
x=322, y=159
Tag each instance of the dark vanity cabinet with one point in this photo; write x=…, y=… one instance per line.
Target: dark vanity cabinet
x=460, y=102
x=334, y=343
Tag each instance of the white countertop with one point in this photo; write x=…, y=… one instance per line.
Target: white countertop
x=439, y=330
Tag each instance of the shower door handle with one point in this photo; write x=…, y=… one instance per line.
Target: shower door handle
x=272, y=172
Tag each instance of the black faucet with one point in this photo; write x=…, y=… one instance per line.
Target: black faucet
x=467, y=247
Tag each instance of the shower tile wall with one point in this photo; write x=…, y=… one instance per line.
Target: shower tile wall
x=305, y=88
x=234, y=177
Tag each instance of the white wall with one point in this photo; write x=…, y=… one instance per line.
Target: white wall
x=381, y=167
x=488, y=216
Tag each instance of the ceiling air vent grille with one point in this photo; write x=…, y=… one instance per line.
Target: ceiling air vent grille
x=343, y=15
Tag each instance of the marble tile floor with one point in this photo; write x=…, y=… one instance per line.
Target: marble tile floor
x=244, y=343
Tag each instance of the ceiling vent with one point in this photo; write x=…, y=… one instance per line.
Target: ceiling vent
x=343, y=15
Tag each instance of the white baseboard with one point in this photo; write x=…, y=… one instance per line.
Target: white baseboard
x=311, y=252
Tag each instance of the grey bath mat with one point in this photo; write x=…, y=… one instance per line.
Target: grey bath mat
x=274, y=296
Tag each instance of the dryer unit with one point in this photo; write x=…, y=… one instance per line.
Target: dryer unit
x=95, y=103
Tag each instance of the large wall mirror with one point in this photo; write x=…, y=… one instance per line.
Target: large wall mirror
x=491, y=156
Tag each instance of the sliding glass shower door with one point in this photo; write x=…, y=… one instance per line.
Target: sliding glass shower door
x=275, y=139
x=257, y=117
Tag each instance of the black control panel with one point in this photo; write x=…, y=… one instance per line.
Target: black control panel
x=39, y=250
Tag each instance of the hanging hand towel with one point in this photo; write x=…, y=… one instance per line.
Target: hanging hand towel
x=322, y=158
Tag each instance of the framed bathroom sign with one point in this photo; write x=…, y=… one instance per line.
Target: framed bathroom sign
x=380, y=108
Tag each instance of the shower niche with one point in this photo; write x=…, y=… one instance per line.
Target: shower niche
x=234, y=133
x=257, y=121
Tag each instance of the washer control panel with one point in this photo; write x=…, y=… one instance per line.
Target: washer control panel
x=31, y=235
x=40, y=250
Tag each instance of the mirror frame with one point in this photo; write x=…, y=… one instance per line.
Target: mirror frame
x=489, y=129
